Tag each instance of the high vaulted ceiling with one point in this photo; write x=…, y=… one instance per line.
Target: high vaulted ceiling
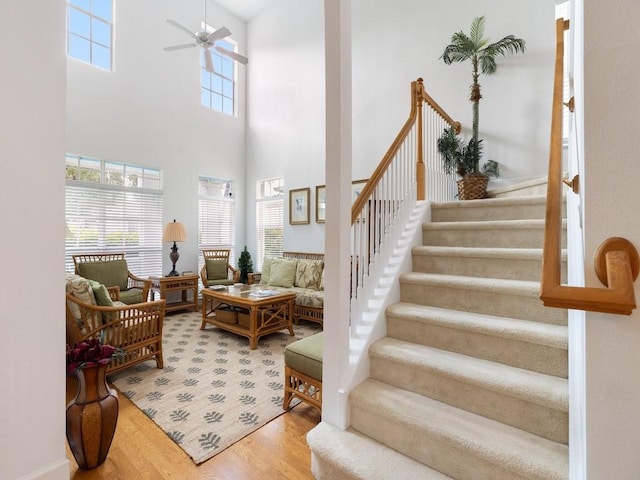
x=245, y=9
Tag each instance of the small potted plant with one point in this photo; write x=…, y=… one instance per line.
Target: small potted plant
x=466, y=159
x=245, y=265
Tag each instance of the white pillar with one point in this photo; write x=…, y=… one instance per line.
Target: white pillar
x=338, y=222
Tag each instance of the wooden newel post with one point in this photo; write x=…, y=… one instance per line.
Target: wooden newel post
x=417, y=88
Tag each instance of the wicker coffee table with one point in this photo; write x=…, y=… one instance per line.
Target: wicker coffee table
x=248, y=310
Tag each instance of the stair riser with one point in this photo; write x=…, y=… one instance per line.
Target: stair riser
x=474, y=214
x=503, y=303
x=534, y=418
x=491, y=267
x=483, y=237
x=521, y=354
x=425, y=446
x=321, y=468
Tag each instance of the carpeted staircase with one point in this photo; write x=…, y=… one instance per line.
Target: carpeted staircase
x=471, y=380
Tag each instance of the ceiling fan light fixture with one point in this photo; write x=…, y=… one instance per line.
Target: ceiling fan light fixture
x=206, y=39
x=208, y=62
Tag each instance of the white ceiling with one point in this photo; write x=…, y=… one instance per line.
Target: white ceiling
x=245, y=9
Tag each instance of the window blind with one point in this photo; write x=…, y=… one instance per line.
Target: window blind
x=269, y=224
x=108, y=218
x=216, y=221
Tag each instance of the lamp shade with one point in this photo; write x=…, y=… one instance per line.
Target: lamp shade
x=174, y=232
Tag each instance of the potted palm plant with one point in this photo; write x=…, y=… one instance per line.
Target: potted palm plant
x=456, y=156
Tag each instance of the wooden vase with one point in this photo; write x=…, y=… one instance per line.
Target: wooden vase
x=92, y=417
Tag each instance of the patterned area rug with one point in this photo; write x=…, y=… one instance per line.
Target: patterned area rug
x=213, y=389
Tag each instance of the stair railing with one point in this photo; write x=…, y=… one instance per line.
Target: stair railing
x=385, y=203
x=616, y=260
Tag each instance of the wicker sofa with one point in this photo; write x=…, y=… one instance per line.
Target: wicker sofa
x=302, y=273
x=93, y=311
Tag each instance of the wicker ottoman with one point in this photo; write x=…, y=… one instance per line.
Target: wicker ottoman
x=303, y=371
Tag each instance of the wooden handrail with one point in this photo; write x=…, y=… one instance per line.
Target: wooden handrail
x=616, y=260
x=418, y=97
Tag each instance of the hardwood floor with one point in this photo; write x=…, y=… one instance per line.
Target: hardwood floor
x=142, y=451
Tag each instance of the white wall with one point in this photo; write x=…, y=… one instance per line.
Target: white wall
x=286, y=103
x=148, y=112
x=32, y=92
x=611, y=198
x=393, y=44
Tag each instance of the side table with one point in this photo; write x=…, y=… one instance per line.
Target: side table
x=182, y=284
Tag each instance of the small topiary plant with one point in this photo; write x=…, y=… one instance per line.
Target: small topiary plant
x=245, y=265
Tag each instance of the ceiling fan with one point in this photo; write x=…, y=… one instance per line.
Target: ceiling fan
x=206, y=40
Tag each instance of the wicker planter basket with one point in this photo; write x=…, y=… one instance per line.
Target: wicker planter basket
x=472, y=187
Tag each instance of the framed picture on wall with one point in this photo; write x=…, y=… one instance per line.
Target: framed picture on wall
x=356, y=188
x=299, y=206
x=321, y=203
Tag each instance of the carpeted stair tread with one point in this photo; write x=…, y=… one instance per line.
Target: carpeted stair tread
x=535, y=346
x=517, y=287
x=482, y=252
x=479, y=448
x=488, y=209
x=493, y=296
x=510, y=328
x=515, y=263
x=533, y=402
x=526, y=224
x=338, y=455
x=542, y=389
x=491, y=234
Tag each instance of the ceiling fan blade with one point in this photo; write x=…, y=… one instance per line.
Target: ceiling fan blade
x=220, y=33
x=236, y=56
x=180, y=27
x=208, y=62
x=179, y=47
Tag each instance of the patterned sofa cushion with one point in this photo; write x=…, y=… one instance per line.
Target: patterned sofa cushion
x=309, y=273
x=308, y=297
x=80, y=288
x=305, y=297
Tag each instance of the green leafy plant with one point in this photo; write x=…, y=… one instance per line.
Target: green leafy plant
x=245, y=265
x=482, y=54
x=463, y=159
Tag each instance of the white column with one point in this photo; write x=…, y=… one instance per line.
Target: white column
x=338, y=222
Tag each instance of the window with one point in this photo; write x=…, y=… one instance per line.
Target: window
x=114, y=207
x=90, y=31
x=218, y=88
x=269, y=219
x=216, y=216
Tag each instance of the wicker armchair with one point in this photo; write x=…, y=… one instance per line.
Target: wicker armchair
x=110, y=269
x=216, y=269
x=137, y=329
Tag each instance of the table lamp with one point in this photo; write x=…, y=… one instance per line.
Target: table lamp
x=174, y=232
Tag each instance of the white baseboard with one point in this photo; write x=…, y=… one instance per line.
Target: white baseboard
x=54, y=471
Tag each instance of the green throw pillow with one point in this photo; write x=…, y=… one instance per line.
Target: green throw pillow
x=216, y=269
x=266, y=270
x=101, y=294
x=109, y=272
x=283, y=272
